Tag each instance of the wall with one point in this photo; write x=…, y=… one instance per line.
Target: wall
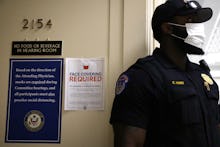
x=113, y=29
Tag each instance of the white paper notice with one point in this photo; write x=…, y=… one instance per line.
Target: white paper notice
x=84, y=84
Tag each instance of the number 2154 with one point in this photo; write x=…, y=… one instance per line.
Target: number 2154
x=36, y=23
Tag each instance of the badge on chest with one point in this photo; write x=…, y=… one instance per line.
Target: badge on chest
x=207, y=81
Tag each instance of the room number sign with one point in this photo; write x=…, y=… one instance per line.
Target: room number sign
x=36, y=23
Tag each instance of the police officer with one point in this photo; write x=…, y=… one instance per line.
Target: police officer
x=164, y=100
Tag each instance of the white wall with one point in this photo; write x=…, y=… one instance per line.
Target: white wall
x=134, y=31
x=113, y=29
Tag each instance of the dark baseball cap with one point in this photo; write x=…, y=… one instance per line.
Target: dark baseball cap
x=165, y=12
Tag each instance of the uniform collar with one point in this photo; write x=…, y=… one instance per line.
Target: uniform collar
x=165, y=61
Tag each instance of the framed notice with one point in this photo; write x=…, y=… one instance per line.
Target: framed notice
x=84, y=84
x=34, y=100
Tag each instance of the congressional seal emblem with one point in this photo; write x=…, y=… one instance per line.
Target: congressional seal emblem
x=121, y=83
x=34, y=121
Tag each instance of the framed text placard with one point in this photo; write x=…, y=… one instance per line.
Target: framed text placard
x=36, y=47
x=34, y=100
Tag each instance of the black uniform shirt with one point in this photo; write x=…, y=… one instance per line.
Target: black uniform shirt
x=177, y=108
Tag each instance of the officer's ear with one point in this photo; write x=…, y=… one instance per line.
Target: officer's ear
x=166, y=28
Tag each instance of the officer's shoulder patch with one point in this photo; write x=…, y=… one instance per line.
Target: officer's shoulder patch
x=121, y=84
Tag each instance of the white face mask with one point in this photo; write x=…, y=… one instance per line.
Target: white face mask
x=196, y=34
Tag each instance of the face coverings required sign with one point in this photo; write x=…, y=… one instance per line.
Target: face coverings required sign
x=34, y=100
x=84, y=84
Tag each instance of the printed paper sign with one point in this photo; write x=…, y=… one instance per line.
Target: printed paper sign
x=84, y=88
